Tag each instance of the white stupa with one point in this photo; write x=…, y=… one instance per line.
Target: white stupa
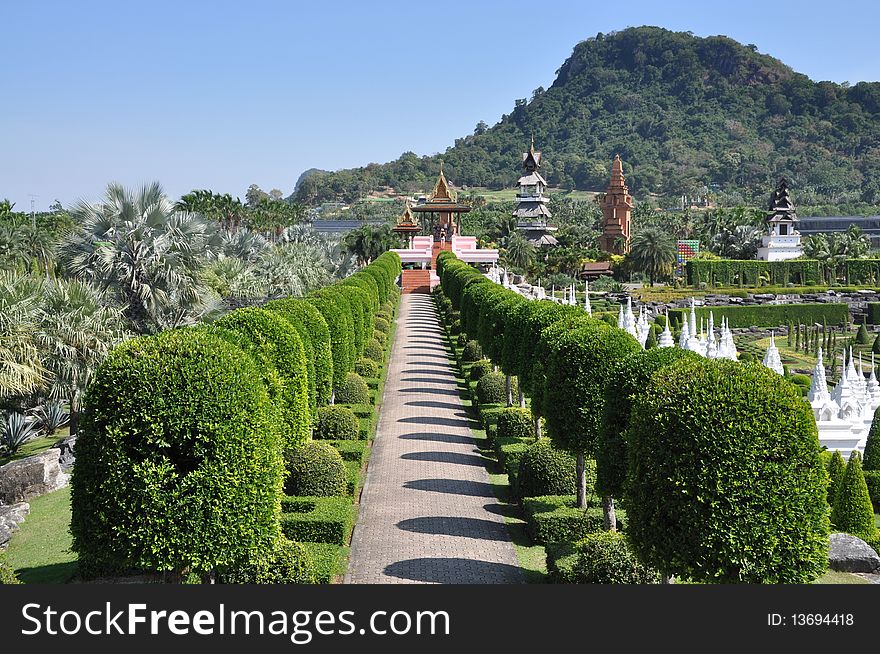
x=771, y=358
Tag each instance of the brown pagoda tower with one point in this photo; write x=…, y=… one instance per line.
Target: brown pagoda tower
x=617, y=206
x=531, y=211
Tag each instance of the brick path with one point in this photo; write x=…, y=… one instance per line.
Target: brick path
x=428, y=513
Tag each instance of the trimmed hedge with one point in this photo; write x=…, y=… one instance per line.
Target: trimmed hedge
x=290, y=563
x=381, y=337
x=336, y=423
x=472, y=352
x=328, y=561
x=734, y=272
x=366, y=367
x=556, y=518
x=340, y=327
x=725, y=481
x=873, y=313
x=544, y=470
x=516, y=422
x=491, y=389
x=280, y=341
x=300, y=312
x=382, y=325
x=605, y=557
x=354, y=390
x=318, y=519
x=374, y=350
x=853, y=511
x=479, y=369
x=351, y=450
x=315, y=469
x=871, y=460
x=872, y=480
x=171, y=423
x=770, y=315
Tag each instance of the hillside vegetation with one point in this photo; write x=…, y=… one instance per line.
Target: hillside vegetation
x=684, y=112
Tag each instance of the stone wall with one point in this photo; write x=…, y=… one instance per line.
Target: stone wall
x=31, y=477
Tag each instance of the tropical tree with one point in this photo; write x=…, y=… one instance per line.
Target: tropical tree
x=21, y=370
x=520, y=252
x=652, y=253
x=740, y=242
x=367, y=242
x=146, y=255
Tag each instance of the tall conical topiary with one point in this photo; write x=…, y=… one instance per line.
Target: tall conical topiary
x=872, y=446
x=853, y=512
x=876, y=347
x=836, y=468
x=862, y=337
x=651, y=341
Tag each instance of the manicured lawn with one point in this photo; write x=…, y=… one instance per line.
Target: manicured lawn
x=40, y=551
x=36, y=446
x=832, y=577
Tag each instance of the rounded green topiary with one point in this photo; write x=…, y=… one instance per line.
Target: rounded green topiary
x=289, y=563
x=491, y=389
x=472, y=352
x=455, y=327
x=461, y=340
x=875, y=348
x=382, y=325
x=380, y=337
x=480, y=368
x=276, y=337
x=853, y=512
x=544, y=470
x=366, y=368
x=353, y=391
x=724, y=459
x=836, y=469
x=301, y=312
x=515, y=422
x=341, y=341
x=871, y=459
x=374, y=350
x=336, y=423
x=171, y=423
x=605, y=557
x=862, y=337
x=609, y=319
x=315, y=469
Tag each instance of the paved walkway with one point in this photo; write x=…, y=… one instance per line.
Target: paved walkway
x=428, y=513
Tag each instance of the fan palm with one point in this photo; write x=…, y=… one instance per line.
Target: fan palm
x=520, y=252
x=652, y=253
x=21, y=370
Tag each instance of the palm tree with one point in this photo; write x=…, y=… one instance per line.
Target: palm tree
x=145, y=254
x=740, y=242
x=21, y=370
x=653, y=253
x=520, y=252
x=368, y=242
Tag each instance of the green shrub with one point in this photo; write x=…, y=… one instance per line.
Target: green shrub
x=604, y=557
x=366, y=367
x=509, y=451
x=374, y=350
x=862, y=337
x=770, y=315
x=729, y=272
x=491, y=388
x=853, y=512
x=336, y=423
x=318, y=519
x=328, y=561
x=298, y=311
x=544, y=470
x=382, y=325
x=556, y=518
x=340, y=327
x=380, y=337
x=274, y=335
x=871, y=459
x=872, y=480
x=455, y=327
x=724, y=459
x=561, y=559
x=353, y=391
x=480, y=368
x=516, y=422
x=461, y=340
x=472, y=352
x=351, y=450
x=171, y=423
x=836, y=468
x=290, y=563
x=7, y=574
x=874, y=315
x=387, y=316
x=315, y=469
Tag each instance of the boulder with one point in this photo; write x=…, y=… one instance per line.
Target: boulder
x=848, y=553
x=67, y=455
x=31, y=477
x=11, y=515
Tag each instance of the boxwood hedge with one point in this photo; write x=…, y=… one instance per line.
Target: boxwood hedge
x=315, y=469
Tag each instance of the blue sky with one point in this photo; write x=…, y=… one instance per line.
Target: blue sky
x=220, y=95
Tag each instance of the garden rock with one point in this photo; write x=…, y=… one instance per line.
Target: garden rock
x=851, y=554
x=31, y=477
x=11, y=516
x=67, y=456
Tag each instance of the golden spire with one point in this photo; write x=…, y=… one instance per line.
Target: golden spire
x=441, y=188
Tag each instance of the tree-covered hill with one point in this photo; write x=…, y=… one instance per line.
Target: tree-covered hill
x=683, y=112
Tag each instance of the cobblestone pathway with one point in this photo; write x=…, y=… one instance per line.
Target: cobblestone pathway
x=428, y=514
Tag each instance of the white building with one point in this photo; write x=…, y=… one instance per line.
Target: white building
x=784, y=240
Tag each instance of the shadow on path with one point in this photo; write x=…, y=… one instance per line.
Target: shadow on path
x=454, y=571
x=452, y=487
x=445, y=457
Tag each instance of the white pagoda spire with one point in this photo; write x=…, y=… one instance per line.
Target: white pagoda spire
x=693, y=317
x=630, y=319
x=587, y=306
x=873, y=386
x=771, y=358
x=819, y=385
x=621, y=318
x=666, y=339
x=685, y=337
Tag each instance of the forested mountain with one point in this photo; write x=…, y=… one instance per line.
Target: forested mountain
x=683, y=112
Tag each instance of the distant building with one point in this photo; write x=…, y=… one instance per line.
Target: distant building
x=784, y=240
x=617, y=206
x=531, y=211
x=870, y=225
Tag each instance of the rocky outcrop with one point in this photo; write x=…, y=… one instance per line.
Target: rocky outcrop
x=31, y=477
x=11, y=516
x=851, y=554
x=67, y=456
